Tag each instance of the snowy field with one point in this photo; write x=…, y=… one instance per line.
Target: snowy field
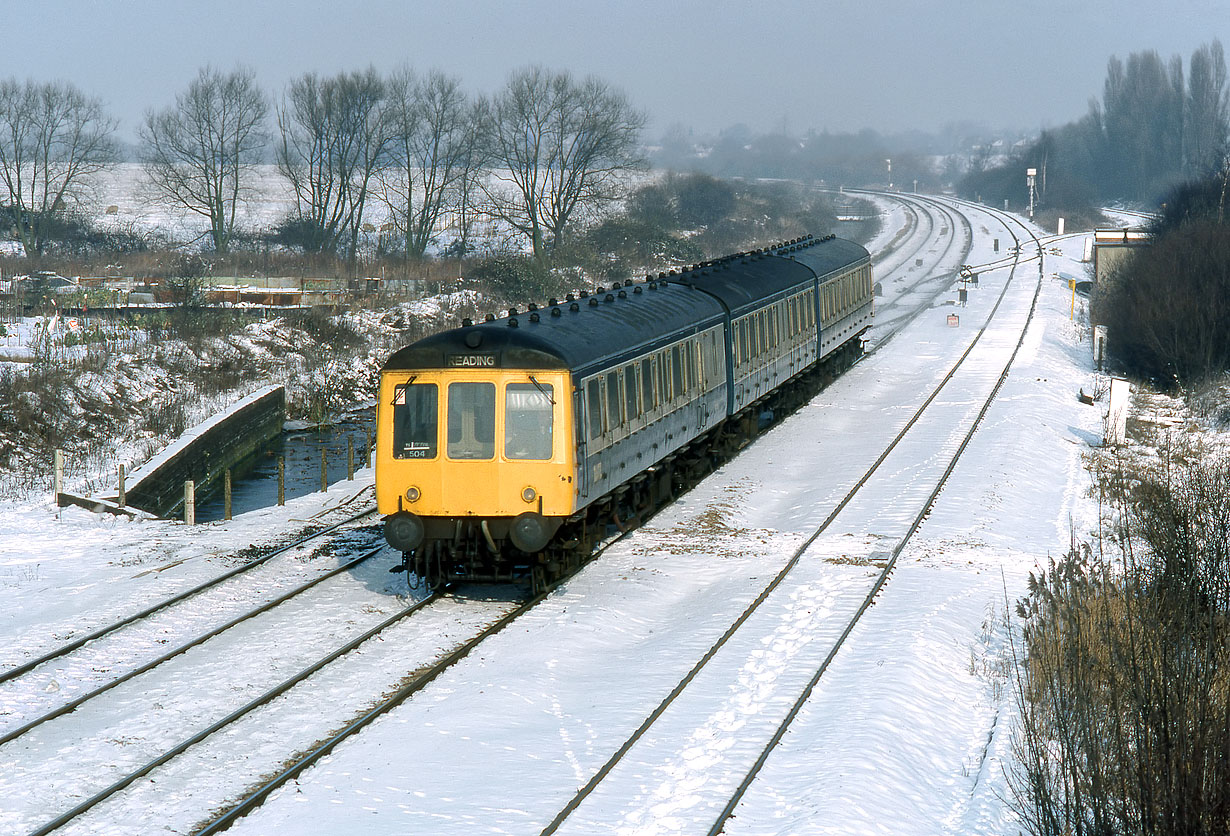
x=907, y=733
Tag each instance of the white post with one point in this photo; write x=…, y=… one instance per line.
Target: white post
x=1116, y=416
x=189, y=503
x=59, y=479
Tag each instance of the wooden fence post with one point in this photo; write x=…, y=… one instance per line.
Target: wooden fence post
x=122, y=498
x=226, y=495
x=281, y=480
x=324, y=473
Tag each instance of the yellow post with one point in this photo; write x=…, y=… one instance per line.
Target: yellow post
x=1072, y=287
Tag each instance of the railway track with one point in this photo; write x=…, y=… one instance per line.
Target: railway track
x=18, y=670
x=900, y=306
x=680, y=707
x=200, y=749
x=58, y=682
x=104, y=673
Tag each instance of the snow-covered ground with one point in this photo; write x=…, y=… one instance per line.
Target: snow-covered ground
x=908, y=731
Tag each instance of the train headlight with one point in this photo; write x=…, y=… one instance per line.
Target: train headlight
x=529, y=494
x=412, y=494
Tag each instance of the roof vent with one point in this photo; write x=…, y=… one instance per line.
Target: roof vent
x=534, y=316
x=467, y=322
x=627, y=282
x=533, y=307
x=553, y=301
x=555, y=311
x=570, y=298
x=637, y=289
x=584, y=294
x=574, y=307
x=512, y=311
x=512, y=322
x=623, y=294
x=489, y=318
x=609, y=298
x=593, y=301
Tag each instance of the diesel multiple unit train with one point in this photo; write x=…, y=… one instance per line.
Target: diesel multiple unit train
x=506, y=449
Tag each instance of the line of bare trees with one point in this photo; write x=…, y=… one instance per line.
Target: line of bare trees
x=540, y=155
x=1154, y=127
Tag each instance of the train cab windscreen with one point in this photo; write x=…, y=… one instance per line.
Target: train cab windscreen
x=528, y=420
x=415, y=422
x=471, y=421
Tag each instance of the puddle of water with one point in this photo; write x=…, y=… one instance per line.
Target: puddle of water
x=254, y=483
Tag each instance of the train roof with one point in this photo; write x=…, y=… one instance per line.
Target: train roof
x=573, y=334
x=602, y=329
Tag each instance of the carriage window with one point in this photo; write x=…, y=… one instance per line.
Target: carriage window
x=593, y=403
x=612, y=400
x=416, y=424
x=630, y=389
x=647, y=385
x=471, y=420
x=528, y=420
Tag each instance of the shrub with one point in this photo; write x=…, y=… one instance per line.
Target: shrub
x=1124, y=680
x=515, y=279
x=1166, y=308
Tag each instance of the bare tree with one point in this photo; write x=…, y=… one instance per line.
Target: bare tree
x=334, y=138
x=1207, y=110
x=559, y=149
x=52, y=139
x=432, y=155
x=199, y=152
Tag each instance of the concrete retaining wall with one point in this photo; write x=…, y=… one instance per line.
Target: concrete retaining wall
x=205, y=452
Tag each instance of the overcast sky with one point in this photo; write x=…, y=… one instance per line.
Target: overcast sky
x=840, y=65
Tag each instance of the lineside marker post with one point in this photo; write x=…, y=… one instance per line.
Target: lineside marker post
x=226, y=495
x=58, y=459
x=281, y=480
x=367, y=447
x=324, y=473
x=350, y=458
x=122, y=497
x=190, y=502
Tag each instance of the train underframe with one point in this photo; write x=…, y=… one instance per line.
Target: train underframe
x=471, y=550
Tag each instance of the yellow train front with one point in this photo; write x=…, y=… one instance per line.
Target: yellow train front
x=474, y=453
